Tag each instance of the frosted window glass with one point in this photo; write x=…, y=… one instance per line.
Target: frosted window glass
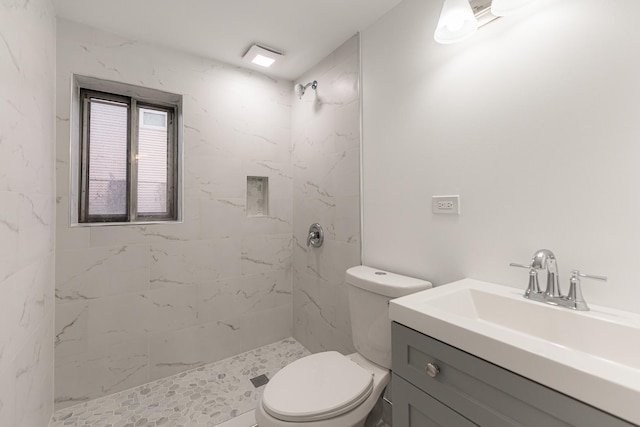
x=154, y=118
x=107, y=192
x=152, y=163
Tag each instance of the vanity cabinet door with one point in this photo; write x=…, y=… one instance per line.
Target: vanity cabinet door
x=485, y=393
x=414, y=408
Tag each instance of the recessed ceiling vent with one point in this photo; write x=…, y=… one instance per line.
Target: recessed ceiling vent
x=262, y=56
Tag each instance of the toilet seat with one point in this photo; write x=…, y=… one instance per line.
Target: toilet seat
x=317, y=387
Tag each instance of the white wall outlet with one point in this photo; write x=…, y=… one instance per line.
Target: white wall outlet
x=446, y=205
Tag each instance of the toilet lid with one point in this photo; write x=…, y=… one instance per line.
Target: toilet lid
x=317, y=387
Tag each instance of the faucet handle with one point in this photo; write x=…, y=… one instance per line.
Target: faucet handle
x=533, y=288
x=516, y=264
x=577, y=273
x=575, y=298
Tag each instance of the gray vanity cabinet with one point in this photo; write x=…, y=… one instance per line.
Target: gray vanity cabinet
x=469, y=391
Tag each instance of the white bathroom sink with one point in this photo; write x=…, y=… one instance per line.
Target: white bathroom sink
x=593, y=356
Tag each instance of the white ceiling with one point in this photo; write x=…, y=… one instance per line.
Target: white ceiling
x=305, y=30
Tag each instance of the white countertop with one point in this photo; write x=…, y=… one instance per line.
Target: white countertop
x=593, y=356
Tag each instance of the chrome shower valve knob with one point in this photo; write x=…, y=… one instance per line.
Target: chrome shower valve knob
x=315, y=237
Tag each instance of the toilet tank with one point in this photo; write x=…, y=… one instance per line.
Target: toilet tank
x=370, y=291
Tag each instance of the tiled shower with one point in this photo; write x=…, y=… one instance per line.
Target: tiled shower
x=140, y=302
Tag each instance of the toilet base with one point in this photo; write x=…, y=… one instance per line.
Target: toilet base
x=353, y=418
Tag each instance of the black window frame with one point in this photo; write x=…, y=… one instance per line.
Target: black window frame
x=173, y=168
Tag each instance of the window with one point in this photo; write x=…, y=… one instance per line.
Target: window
x=128, y=159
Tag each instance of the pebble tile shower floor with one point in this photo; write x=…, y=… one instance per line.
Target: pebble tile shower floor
x=202, y=397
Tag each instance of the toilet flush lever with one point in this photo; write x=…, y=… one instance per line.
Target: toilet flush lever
x=315, y=236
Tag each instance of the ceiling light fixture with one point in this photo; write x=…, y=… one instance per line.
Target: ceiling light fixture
x=262, y=56
x=456, y=23
x=459, y=19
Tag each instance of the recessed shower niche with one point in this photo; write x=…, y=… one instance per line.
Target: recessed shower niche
x=257, y=196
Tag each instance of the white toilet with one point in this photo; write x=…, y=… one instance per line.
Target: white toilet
x=331, y=390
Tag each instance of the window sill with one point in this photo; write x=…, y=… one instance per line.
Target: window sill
x=114, y=224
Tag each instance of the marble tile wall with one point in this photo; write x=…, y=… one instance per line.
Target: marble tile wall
x=326, y=177
x=137, y=303
x=27, y=198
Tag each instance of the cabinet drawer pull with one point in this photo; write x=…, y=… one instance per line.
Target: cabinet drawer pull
x=432, y=370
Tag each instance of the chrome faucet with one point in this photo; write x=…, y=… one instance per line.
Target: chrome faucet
x=544, y=259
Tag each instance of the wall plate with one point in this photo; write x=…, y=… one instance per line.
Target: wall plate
x=448, y=205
